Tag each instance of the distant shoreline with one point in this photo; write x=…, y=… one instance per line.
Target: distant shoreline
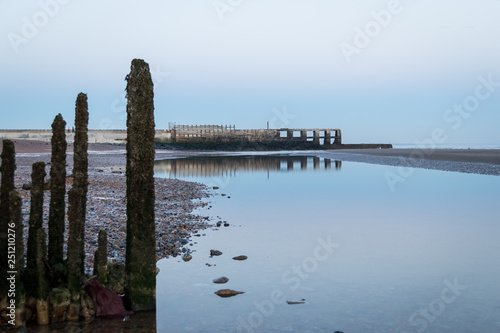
x=479, y=161
x=476, y=161
x=491, y=156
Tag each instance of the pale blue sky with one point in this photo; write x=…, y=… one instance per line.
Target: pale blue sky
x=247, y=62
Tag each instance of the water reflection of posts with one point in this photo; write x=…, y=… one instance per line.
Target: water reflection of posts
x=226, y=166
x=316, y=163
x=303, y=163
x=328, y=163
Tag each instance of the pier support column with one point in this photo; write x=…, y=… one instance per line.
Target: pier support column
x=303, y=135
x=328, y=136
x=316, y=137
x=338, y=137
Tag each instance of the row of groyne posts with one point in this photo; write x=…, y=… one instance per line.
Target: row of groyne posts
x=227, y=133
x=39, y=283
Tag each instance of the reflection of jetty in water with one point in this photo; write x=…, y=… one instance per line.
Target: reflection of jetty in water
x=226, y=166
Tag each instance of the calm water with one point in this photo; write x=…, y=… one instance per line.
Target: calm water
x=424, y=257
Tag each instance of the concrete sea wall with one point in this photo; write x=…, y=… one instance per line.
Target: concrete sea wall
x=95, y=136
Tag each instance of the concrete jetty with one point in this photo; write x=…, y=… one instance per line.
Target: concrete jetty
x=214, y=137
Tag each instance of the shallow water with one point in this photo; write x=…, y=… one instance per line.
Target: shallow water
x=424, y=257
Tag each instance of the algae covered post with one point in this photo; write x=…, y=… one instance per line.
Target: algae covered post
x=42, y=288
x=57, y=193
x=75, y=250
x=101, y=258
x=80, y=157
x=35, y=223
x=141, y=243
x=77, y=201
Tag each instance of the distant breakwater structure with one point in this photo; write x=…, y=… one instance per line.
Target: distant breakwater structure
x=220, y=137
x=47, y=288
x=216, y=137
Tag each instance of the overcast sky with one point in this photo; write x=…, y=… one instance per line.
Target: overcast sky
x=382, y=71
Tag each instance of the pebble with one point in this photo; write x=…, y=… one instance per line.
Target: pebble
x=221, y=280
x=215, y=253
x=240, y=258
x=302, y=301
x=228, y=293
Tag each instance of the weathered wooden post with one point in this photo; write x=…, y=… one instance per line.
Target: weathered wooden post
x=35, y=223
x=76, y=255
x=141, y=243
x=57, y=193
x=42, y=302
x=101, y=258
x=7, y=169
x=80, y=157
x=77, y=201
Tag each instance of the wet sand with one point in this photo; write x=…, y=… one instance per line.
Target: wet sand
x=478, y=161
x=456, y=155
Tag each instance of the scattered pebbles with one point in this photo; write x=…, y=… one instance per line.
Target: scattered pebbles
x=106, y=207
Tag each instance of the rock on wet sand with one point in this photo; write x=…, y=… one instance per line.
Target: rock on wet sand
x=240, y=258
x=215, y=253
x=228, y=292
x=221, y=280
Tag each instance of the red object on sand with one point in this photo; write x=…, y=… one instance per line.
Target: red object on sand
x=107, y=302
